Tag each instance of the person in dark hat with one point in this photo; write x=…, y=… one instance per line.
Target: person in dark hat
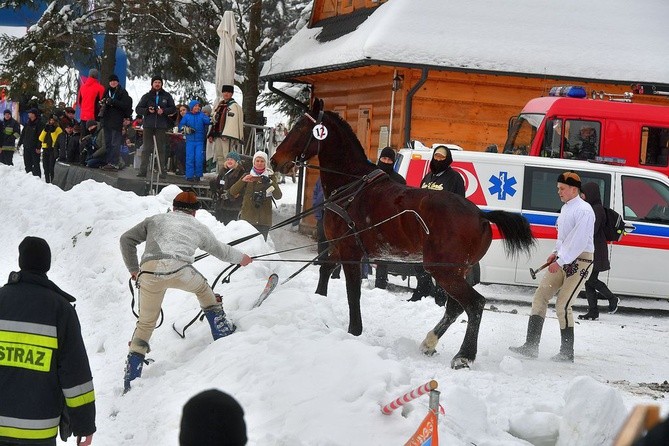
x=68, y=118
x=441, y=177
x=171, y=241
x=156, y=107
x=212, y=418
x=10, y=130
x=94, y=150
x=47, y=372
x=226, y=207
x=569, y=266
x=32, y=147
x=227, y=130
x=387, y=164
x=116, y=105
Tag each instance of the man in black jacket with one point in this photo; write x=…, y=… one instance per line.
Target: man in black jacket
x=155, y=106
x=32, y=147
x=115, y=105
x=44, y=371
x=67, y=145
x=441, y=177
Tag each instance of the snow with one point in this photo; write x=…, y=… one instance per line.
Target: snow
x=598, y=39
x=300, y=377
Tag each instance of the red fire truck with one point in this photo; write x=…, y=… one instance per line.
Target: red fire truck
x=566, y=124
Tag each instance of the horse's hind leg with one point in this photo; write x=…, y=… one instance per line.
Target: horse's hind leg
x=451, y=313
x=472, y=303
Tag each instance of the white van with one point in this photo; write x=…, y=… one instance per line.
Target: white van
x=528, y=185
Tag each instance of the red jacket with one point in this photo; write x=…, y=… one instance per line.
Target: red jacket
x=90, y=93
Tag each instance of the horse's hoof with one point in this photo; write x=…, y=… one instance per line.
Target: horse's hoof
x=460, y=363
x=429, y=345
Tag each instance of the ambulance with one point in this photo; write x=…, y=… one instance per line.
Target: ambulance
x=528, y=185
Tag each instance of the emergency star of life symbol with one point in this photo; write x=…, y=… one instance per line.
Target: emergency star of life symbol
x=320, y=132
x=502, y=185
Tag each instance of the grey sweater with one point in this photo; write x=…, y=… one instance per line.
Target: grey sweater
x=173, y=235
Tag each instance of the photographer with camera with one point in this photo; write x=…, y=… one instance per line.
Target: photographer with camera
x=155, y=106
x=115, y=105
x=226, y=208
x=259, y=188
x=93, y=148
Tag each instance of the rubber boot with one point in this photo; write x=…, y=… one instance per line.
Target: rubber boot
x=593, y=310
x=566, y=346
x=220, y=326
x=531, y=346
x=133, y=369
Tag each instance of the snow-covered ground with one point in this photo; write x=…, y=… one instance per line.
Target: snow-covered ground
x=301, y=379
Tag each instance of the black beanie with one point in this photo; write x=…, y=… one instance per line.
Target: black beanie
x=212, y=418
x=388, y=152
x=227, y=89
x=34, y=255
x=157, y=77
x=113, y=77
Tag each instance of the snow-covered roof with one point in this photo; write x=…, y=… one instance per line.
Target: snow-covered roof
x=613, y=40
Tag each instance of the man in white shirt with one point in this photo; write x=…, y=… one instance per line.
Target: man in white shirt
x=569, y=266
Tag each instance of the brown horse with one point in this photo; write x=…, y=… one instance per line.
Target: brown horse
x=367, y=215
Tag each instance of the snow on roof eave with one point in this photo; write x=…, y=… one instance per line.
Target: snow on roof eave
x=292, y=76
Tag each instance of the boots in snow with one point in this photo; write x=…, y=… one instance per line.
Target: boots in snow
x=220, y=326
x=133, y=369
x=531, y=346
x=566, y=346
x=593, y=311
x=423, y=288
x=613, y=304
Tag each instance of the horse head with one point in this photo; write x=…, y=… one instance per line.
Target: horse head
x=301, y=143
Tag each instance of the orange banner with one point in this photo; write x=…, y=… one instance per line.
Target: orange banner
x=427, y=433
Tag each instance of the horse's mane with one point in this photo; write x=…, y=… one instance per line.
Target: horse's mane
x=350, y=134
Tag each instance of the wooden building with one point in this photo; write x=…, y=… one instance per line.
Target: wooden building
x=456, y=71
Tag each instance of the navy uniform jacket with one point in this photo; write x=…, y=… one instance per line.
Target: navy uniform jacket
x=43, y=362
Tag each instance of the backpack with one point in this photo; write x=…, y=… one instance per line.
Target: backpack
x=614, y=225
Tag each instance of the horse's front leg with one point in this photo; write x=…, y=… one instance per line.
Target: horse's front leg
x=324, y=277
x=353, y=277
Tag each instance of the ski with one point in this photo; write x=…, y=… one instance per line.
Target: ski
x=272, y=282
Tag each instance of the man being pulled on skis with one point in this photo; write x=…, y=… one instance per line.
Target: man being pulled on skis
x=171, y=240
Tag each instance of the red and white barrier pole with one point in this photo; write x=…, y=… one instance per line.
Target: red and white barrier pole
x=407, y=397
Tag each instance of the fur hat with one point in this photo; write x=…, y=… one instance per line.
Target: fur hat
x=570, y=178
x=233, y=155
x=227, y=89
x=187, y=201
x=212, y=418
x=388, y=152
x=34, y=255
x=157, y=77
x=113, y=77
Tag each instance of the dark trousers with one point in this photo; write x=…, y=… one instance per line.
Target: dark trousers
x=594, y=285
x=7, y=157
x=31, y=161
x=49, y=163
x=147, y=142
x=113, y=141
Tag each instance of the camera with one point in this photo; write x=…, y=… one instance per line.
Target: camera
x=258, y=198
x=265, y=179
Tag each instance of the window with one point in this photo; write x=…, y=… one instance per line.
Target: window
x=540, y=191
x=645, y=200
x=654, y=146
x=582, y=139
x=521, y=133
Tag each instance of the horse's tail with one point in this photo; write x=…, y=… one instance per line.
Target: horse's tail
x=515, y=229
